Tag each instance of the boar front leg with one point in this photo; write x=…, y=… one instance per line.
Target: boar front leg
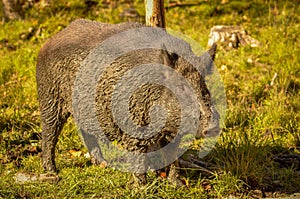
x=174, y=174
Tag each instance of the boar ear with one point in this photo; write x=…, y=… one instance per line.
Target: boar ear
x=207, y=60
x=212, y=51
x=168, y=58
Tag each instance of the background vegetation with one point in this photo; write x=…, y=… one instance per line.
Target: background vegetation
x=261, y=135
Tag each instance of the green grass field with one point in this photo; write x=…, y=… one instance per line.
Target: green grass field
x=262, y=121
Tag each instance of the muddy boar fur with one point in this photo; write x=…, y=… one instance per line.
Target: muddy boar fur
x=60, y=59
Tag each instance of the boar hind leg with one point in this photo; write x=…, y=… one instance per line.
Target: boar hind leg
x=93, y=147
x=52, y=121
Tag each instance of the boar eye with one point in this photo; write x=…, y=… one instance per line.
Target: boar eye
x=174, y=57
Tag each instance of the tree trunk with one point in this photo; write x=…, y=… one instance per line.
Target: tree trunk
x=155, y=13
x=12, y=9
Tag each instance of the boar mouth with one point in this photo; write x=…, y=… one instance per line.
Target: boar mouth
x=213, y=131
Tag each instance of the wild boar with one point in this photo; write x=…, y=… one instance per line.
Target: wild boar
x=58, y=66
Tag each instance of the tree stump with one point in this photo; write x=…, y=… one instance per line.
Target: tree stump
x=231, y=37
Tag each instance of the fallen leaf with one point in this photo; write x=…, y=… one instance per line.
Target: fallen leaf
x=33, y=149
x=87, y=155
x=185, y=182
x=103, y=164
x=75, y=153
x=163, y=174
x=206, y=186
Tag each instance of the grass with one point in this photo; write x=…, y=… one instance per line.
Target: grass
x=262, y=122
